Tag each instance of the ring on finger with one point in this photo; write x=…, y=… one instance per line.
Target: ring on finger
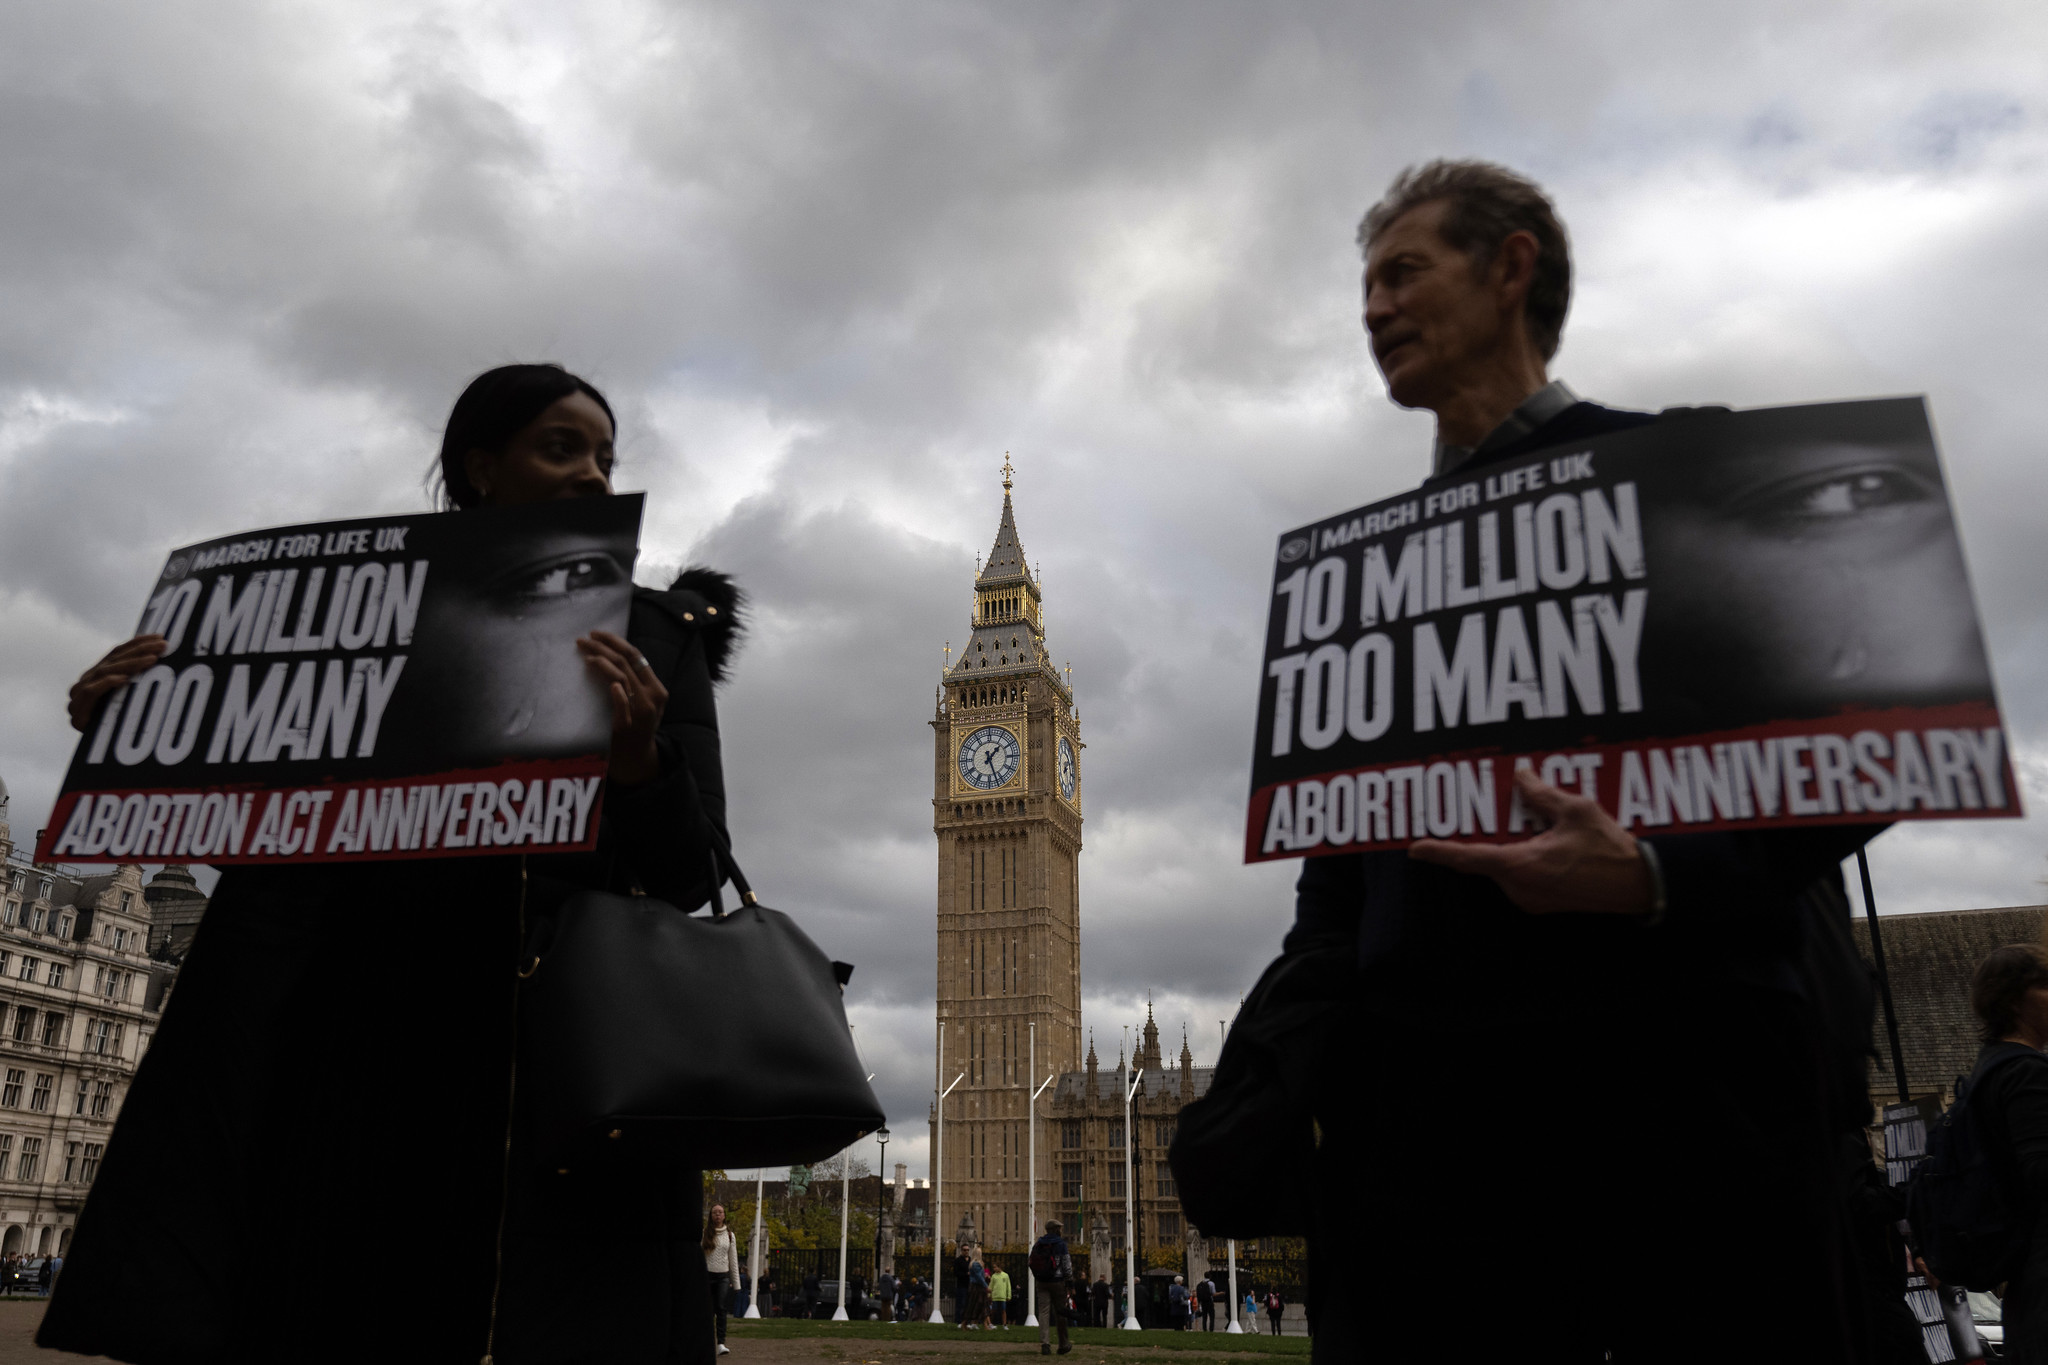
x=640, y=662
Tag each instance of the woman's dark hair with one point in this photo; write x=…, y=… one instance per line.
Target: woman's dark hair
x=2001, y=982
x=710, y=1228
x=495, y=407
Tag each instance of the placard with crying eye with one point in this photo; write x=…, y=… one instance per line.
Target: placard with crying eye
x=1715, y=620
x=385, y=687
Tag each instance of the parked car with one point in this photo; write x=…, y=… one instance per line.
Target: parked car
x=27, y=1276
x=1989, y=1315
x=859, y=1308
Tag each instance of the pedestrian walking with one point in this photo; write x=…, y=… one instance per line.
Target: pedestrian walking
x=1100, y=1295
x=1249, y=1311
x=1177, y=1304
x=721, y=1268
x=1205, y=1296
x=259, y=985
x=1052, y=1266
x=1275, y=1307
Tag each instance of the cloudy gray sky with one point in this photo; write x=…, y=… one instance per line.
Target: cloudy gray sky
x=830, y=261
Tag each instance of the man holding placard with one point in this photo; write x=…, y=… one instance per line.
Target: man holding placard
x=1594, y=1077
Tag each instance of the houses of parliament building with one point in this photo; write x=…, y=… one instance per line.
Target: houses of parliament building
x=1007, y=800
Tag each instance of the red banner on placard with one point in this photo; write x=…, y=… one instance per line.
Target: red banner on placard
x=1907, y=763
x=540, y=806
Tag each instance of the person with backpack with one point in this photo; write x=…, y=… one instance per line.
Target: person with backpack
x=1979, y=1202
x=1051, y=1267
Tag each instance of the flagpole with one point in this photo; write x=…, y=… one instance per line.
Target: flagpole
x=938, y=1164
x=1233, y=1329
x=1130, y=1216
x=754, y=1298
x=1030, y=1289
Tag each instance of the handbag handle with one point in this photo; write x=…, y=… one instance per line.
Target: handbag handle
x=723, y=866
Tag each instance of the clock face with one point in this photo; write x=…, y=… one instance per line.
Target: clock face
x=1068, y=777
x=989, y=757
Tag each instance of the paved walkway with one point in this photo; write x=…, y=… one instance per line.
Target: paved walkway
x=19, y=1319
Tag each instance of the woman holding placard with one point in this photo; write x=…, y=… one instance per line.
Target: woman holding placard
x=336, y=1073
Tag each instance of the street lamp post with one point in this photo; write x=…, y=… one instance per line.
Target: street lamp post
x=754, y=1299
x=881, y=1165
x=938, y=1164
x=1130, y=1215
x=1031, y=1178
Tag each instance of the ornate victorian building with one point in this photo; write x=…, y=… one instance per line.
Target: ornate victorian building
x=1007, y=810
x=84, y=974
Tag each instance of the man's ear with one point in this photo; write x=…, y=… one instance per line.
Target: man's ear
x=1514, y=267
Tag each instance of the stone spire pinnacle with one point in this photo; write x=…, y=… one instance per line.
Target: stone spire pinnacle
x=1006, y=557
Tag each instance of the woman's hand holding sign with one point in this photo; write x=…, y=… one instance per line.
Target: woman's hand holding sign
x=1584, y=862
x=638, y=700
x=119, y=667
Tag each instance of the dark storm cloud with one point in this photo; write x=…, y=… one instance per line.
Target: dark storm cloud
x=831, y=262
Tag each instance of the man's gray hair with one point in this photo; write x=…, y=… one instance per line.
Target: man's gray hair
x=1486, y=203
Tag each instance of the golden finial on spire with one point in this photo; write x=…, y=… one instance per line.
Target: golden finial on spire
x=1007, y=472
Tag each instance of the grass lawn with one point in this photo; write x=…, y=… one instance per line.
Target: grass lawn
x=1211, y=1342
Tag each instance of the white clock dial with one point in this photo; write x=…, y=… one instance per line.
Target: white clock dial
x=1068, y=777
x=989, y=757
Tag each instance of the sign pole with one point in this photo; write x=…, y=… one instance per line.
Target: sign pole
x=1884, y=981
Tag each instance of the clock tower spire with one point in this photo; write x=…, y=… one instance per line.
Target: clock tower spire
x=1006, y=803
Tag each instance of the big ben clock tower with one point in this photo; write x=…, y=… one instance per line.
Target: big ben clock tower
x=1006, y=802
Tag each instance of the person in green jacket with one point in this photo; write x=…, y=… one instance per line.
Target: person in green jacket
x=999, y=1299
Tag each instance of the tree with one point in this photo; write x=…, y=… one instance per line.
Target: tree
x=827, y=1171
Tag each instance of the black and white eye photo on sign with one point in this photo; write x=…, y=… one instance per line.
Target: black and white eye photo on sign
x=495, y=672
x=1810, y=564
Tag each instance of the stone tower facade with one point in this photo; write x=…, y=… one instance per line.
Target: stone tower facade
x=1006, y=805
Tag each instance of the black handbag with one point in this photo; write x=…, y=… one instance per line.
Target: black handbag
x=1244, y=1153
x=649, y=1035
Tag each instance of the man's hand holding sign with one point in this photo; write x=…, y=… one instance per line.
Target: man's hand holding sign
x=1572, y=740
x=1584, y=862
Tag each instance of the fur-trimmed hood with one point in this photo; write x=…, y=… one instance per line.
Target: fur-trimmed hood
x=721, y=634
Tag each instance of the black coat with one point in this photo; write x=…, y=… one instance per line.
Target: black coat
x=2015, y=1101
x=311, y=1163
x=1566, y=1055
